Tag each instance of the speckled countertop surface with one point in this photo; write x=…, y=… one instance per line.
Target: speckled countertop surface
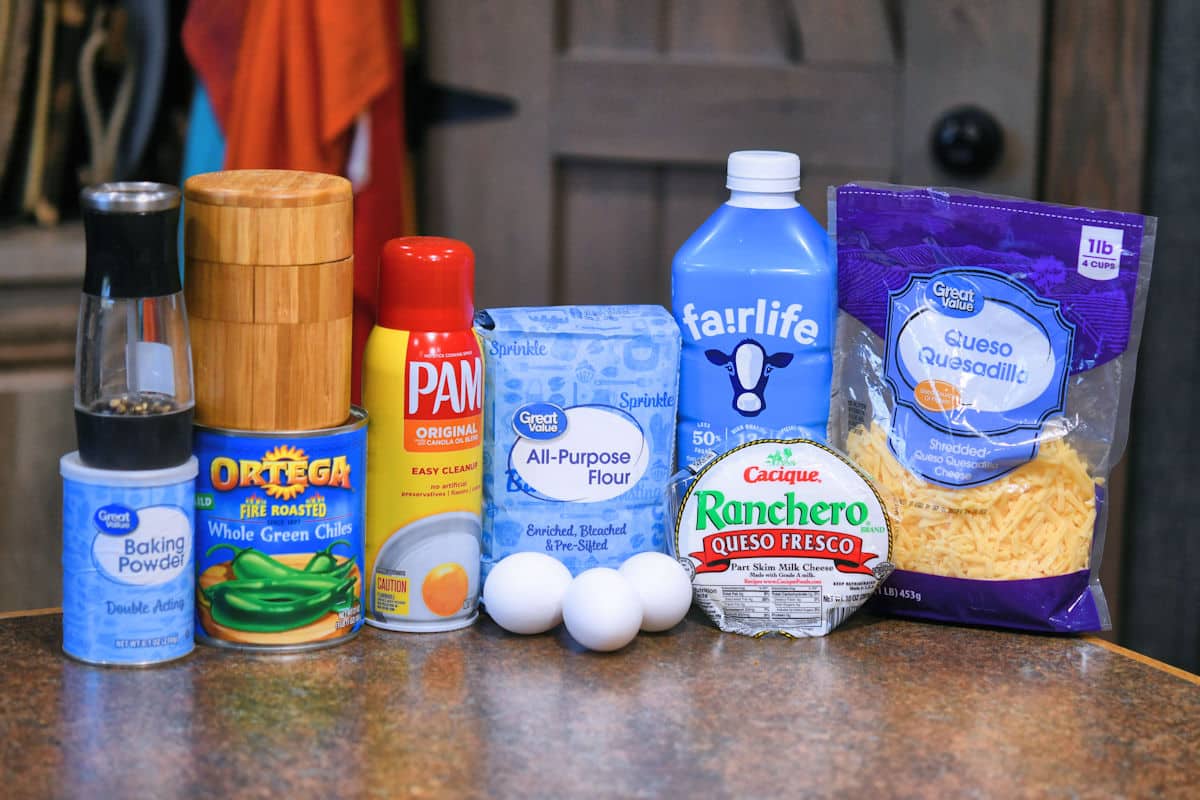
x=880, y=708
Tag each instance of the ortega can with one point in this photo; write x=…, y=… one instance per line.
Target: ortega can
x=127, y=563
x=279, y=536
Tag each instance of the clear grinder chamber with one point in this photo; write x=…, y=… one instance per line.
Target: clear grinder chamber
x=133, y=366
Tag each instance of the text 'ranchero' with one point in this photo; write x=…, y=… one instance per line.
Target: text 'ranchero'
x=713, y=510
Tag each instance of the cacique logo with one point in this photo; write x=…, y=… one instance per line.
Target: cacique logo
x=764, y=318
x=753, y=474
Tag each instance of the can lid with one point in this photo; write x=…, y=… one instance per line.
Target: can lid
x=426, y=283
x=72, y=468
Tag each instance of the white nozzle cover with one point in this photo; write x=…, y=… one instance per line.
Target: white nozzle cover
x=763, y=171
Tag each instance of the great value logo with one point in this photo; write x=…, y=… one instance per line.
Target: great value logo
x=115, y=519
x=540, y=421
x=955, y=296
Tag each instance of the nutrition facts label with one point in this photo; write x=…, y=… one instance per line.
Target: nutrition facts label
x=794, y=606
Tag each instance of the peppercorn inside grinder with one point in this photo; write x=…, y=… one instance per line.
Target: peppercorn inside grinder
x=133, y=367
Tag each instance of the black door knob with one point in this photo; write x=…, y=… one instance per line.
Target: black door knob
x=967, y=141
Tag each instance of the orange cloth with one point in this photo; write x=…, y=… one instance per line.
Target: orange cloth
x=303, y=71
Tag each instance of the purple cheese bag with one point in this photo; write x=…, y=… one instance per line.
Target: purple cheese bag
x=983, y=373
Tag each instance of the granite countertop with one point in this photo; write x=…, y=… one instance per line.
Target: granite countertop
x=879, y=708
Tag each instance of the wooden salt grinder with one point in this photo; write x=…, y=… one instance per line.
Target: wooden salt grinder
x=269, y=282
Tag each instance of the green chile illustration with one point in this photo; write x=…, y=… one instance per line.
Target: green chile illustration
x=269, y=596
x=272, y=605
x=326, y=562
x=250, y=563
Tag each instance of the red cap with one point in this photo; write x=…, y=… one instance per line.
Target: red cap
x=426, y=283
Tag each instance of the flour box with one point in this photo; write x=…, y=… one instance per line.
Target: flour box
x=579, y=426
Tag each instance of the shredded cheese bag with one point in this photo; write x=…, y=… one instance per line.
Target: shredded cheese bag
x=983, y=371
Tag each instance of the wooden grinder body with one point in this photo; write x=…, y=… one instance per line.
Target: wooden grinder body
x=270, y=289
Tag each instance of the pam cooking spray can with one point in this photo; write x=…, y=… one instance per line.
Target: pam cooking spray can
x=423, y=387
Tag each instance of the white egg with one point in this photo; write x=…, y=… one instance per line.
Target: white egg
x=662, y=585
x=602, y=610
x=524, y=592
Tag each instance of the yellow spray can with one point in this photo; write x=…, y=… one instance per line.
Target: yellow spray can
x=423, y=387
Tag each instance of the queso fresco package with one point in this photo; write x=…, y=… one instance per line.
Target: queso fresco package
x=984, y=368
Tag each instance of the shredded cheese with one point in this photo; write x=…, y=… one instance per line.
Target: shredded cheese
x=1035, y=522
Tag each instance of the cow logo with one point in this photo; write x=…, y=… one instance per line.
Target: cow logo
x=749, y=368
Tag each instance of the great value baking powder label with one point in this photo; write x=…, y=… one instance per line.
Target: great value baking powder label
x=127, y=562
x=782, y=536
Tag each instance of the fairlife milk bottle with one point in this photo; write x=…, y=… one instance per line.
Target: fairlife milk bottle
x=755, y=296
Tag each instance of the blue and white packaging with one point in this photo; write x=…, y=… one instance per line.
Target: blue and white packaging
x=129, y=583
x=755, y=294
x=579, y=427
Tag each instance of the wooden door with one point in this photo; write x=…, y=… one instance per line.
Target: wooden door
x=626, y=109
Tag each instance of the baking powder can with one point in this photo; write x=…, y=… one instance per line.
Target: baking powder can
x=128, y=580
x=279, y=536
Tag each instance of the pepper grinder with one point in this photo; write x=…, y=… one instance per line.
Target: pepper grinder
x=133, y=364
